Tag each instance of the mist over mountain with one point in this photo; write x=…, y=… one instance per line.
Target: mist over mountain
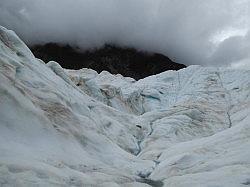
x=117, y=60
x=213, y=33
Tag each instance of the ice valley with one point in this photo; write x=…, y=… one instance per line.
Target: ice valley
x=63, y=127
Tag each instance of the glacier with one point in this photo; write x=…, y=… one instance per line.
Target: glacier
x=62, y=127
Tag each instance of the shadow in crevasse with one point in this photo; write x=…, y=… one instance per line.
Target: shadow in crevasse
x=150, y=182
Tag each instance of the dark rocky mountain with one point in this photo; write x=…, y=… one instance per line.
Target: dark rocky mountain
x=126, y=61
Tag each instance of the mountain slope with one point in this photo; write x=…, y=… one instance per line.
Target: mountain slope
x=117, y=60
x=79, y=128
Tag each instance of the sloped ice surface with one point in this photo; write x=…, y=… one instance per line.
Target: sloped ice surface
x=79, y=128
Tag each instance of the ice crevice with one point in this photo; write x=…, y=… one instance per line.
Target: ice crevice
x=228, y=101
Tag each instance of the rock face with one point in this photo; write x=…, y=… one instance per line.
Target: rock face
x=116, y=60
x=63, y=127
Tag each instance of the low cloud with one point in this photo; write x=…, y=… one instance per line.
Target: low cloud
x=214, y=32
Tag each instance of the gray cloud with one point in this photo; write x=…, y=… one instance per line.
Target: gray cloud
x=190, y=32
x=232, y=50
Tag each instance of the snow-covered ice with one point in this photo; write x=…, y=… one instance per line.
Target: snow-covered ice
x=79, y=128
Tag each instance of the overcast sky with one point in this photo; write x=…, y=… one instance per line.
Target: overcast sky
x=207, y=32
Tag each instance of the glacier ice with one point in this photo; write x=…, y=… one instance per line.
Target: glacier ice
x=63, y=127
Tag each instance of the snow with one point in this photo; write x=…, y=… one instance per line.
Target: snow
x=79, y=128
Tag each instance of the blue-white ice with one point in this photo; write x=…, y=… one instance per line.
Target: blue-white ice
x=79, y=128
